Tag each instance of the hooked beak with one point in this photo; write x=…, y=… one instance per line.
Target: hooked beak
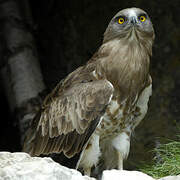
x=133, y=20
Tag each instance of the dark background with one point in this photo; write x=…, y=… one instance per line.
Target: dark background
x=67, y=33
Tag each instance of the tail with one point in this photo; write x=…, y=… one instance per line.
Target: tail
x=30, y=135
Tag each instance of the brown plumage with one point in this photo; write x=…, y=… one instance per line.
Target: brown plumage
x=70, y=113
x=96, y=107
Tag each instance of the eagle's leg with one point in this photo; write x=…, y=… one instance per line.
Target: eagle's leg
x=120, y=161
x=90, y=155
x=87, y=171
x=121, y=143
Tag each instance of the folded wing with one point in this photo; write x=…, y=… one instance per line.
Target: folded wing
x=68, y=118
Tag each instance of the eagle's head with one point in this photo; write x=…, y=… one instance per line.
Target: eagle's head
x=129, y=23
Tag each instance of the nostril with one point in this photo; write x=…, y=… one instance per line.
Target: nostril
x=133, y=20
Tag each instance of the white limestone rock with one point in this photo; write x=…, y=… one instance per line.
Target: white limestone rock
x=171, y=178
x=124, y=175
x=20, y=166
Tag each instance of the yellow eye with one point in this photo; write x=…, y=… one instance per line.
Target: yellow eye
x=121, y=20
x=142, y=18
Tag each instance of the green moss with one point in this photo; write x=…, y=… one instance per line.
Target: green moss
x=166, y=161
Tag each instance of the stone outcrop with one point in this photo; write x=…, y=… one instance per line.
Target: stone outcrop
x=21, y=166
x=18, y=166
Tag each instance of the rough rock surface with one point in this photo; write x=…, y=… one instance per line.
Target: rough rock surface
x=20, y=166
x=171, y=178
x=124, y=175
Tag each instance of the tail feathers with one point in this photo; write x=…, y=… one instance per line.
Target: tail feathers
x=28, y=142
x=31, y=135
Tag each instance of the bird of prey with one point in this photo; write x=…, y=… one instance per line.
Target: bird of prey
x=93, y=111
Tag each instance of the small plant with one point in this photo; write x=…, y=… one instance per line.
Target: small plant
x=167, y=161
